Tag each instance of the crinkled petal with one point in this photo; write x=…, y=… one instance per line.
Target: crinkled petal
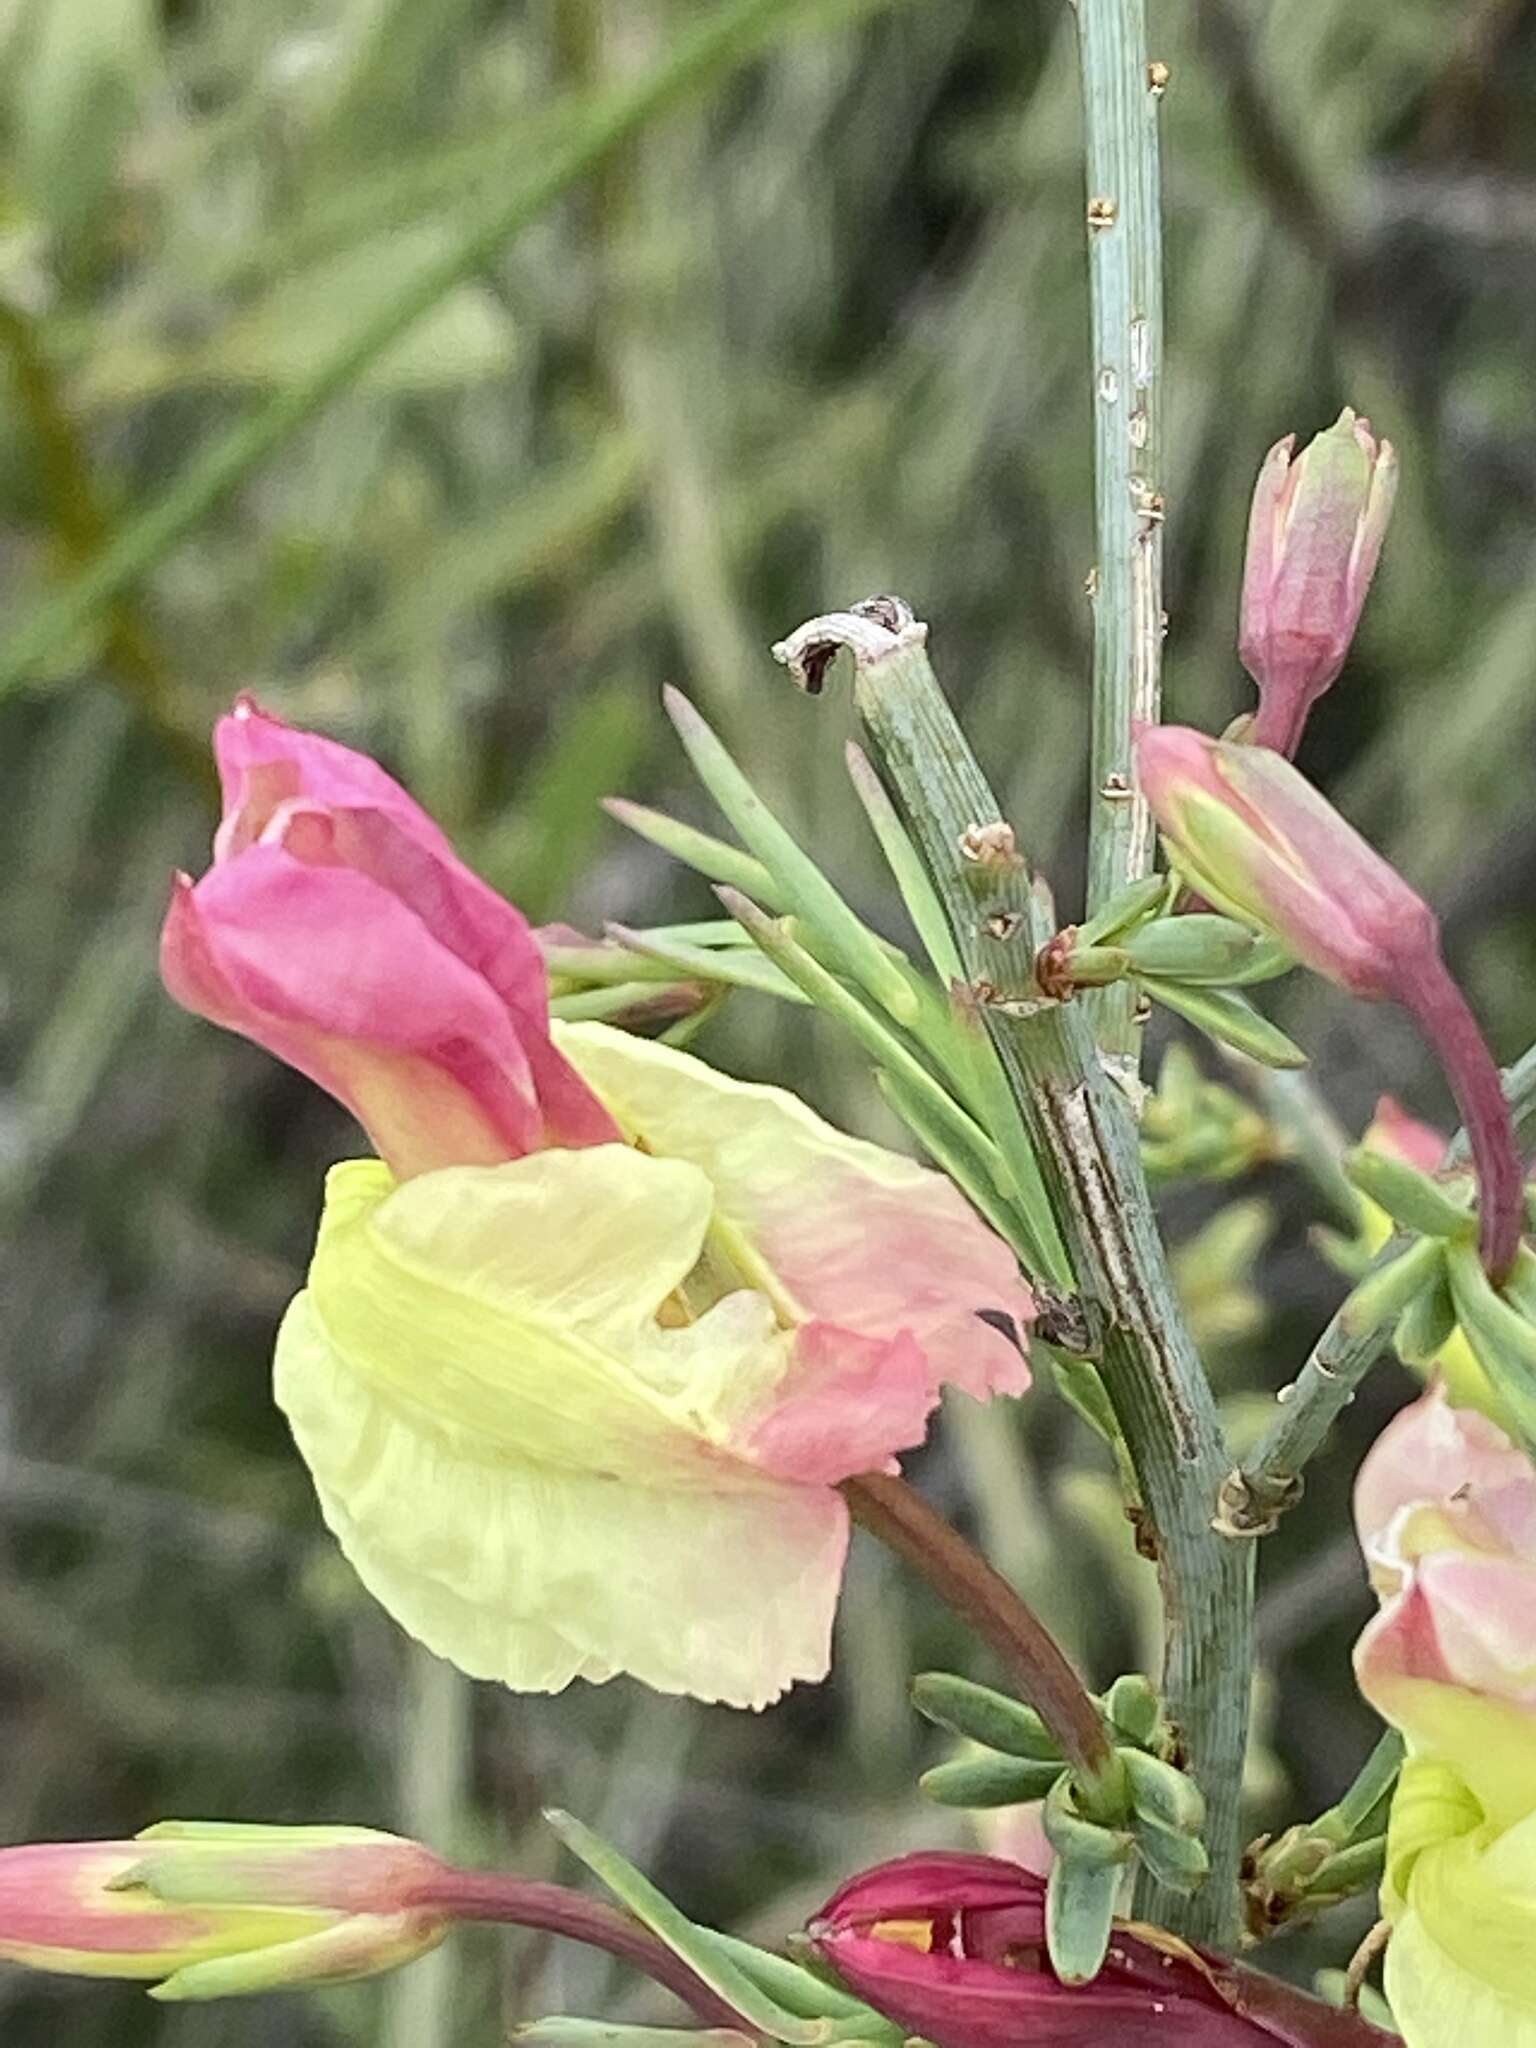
x=534, y=1574
x=514, y=1309
x=847, y=1404
x=1434, y=1452
x=853, y=1234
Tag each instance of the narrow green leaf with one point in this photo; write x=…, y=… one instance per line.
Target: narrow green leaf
x=654, y=1910
x=1230, y=1019
x=975, y=1174
x=563, y=2030
x=985, y=1781
x=1387, y=1290
x=1124, y=911
x=907, y=871
x=1409, y=1197
x=984, y=1716
x=1355, y=1869
x=1428, y=1323
x=1503, y=1342
x=643, y=1002
x=800, y=882
x=716, y=859
x=735, y=966
x=800, y=1990
x=782, y=947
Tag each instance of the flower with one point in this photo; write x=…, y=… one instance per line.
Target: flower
x=211, y=1908
x=338, y=929
x=583, y=1358
x=1402, y=1136
x=1314, y=534
x=1445, y=1507
x=1254, y=837
x=953, y=1948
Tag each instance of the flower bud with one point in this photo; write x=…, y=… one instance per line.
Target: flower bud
x=1314, y=534
x=954, y=1948
x=1256, y=839
x=1254, y=836
x=211, y=1909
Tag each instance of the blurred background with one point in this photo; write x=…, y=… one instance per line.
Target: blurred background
x=819, y=328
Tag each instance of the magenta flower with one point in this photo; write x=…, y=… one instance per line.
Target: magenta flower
x=338, y=928
x=953, y=1948
x=1314, y=534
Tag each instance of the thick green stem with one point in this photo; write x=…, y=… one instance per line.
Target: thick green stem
x=1121, y=91
x=1084, y=1137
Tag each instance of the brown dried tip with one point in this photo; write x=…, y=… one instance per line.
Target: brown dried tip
x=811, y=649
x=993, y=845
x=1053, y=965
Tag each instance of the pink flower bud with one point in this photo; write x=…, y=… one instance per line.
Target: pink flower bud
x=211, y=1910
x=1314, y=534
x=338, y=929
x=1255, y=838
x=953, y=1948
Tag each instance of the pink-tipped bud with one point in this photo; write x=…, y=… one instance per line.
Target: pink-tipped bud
x=1314, y=535
x=209, y=1909
x=1255, y=838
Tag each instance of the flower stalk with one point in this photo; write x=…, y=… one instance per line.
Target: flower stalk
x=1121, y=94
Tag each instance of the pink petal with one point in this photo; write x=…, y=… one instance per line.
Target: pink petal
x=335, y=976
x=847, y=1405
x=1433, y=1453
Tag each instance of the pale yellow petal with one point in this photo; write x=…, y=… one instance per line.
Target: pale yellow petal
x=534, y=1575
x=515, y=1307
x=1438, y=2003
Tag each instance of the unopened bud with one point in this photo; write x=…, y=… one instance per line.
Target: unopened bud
x=1314, y=534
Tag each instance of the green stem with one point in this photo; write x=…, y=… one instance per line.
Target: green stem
x=1084, y=1138
x=982, y=1597
x=726, y=37
x=1253, y=1499
x=1124, y=226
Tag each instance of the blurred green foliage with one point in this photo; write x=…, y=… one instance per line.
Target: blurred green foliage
x=818, y=329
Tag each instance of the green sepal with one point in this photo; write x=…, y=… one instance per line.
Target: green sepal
x=1355, y=1869
x=1161, y=1792
x=1098, y=966
x=1520, y=1284
x=982, y=1715
x=1229, y=1019
x=1086, y=1842
x=1174, y=1858
x=989, y=1781
x=1133, y=1706
x=1080, y=1901
x=1123, y=911
x=1386, y=1290
x=1428, y=1323
x=1410, y=1198
x=1200, y=947
x=1081, y=1385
